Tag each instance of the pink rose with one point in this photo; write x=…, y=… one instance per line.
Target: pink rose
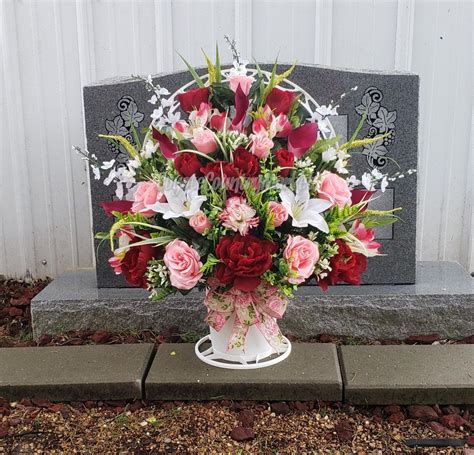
x=301, y=255
x=183, y=263
x=366, y=237
x=334, y=189
x=146, y=195
x=245, y=83
x=261, y=144
x=204, y=141
x=280, y=214
x=238, y=215
x=199, y=222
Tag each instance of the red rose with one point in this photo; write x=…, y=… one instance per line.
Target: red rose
x=243, y=260
x=135, y=262
x=192, y=99
x=214, y=171
x=280, y=101
x=246, y=163
x=346, y=265
x=284, y=159
x=187, y=164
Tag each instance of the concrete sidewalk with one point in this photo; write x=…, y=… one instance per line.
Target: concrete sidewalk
x=436, y=374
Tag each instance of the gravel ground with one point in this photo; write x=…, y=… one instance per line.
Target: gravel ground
x=214, y=427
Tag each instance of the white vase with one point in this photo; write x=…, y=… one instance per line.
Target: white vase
x=255, y=348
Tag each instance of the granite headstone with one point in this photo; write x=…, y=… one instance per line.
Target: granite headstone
x=389, y=100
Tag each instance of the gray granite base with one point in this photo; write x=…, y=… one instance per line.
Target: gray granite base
x=441, y=302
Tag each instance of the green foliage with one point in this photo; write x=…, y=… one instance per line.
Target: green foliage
x=192, y=71
x=218, y=66
x=191, y=336
x=160, y=294
x=122, y=420
x=276, y=79
x=209, y=265
x=123, y=142
x=222, y=97
x=346, y=215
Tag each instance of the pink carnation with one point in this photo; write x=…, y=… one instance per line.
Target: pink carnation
x=238, y=215
x=261, y=144
x=146, y=195
x=301, y=256
x=280, y=214
x=199, y=222
x=183, y=263
x=334, y=189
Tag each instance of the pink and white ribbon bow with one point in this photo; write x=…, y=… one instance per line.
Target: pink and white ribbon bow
x=261, y=307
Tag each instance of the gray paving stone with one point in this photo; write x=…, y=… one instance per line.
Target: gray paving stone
x=310, y=373
x=435, y=374
x=70, y=373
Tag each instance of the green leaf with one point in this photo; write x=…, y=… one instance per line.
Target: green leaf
x=135, y=137
x=210, y=68
x=195, y=75
x=218, y=66
x=276, y=79
x=160, y=294
x=359, y=127
x=211, y=262
x=102, y=235
x=122, y=141
x=361, y=142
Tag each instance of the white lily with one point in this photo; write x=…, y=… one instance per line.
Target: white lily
x=301, y=208
x=180, y=203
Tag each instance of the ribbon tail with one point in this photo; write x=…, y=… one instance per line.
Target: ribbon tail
x=239, y=333
x=269, y=328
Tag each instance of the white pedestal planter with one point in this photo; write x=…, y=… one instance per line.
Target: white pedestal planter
x=256, y=352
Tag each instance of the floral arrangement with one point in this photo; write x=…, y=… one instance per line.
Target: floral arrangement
x=241, y=190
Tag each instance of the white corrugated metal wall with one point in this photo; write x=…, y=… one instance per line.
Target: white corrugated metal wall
x=50, y=48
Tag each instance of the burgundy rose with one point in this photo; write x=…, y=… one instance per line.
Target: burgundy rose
x=243, y=260
x=192, y=99
x=218, y=169
x=187, y=164
x=246, y=163
x=284, y=159
x=280, y=100
x=346, y=265
x=135, y=262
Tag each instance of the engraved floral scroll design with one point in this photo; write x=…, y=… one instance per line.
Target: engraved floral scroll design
x=122, y=125
x=381, y=121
